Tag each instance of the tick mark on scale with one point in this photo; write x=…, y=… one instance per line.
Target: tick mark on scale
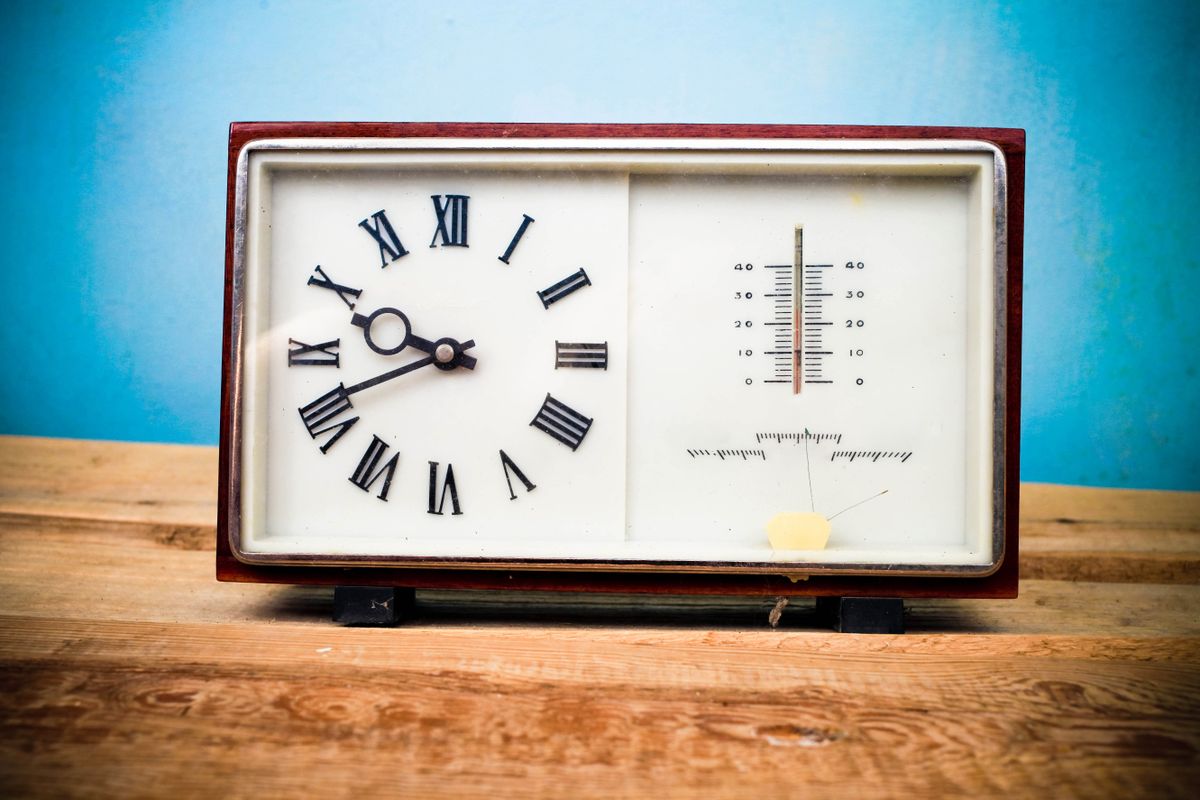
x=744, y=455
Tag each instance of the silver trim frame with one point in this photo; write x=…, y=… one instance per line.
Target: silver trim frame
x=795, y=570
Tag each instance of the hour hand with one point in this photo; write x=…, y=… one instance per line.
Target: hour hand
x=447, y=353
x=366, y=321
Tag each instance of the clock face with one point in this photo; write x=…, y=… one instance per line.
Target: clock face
x=767, y=357
x=521, y=281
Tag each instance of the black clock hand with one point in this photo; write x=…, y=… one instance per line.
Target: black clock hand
x=410, y=339
x=455, y=357
x=387, y=376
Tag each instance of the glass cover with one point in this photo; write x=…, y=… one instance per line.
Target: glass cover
x=772, y=356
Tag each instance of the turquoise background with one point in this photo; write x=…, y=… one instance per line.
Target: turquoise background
x=114, y=132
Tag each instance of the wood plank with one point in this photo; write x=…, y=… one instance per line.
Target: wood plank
x=127, y=565
x=112, y=481
x=127, y=670
x=510, y=709
x=1090, y=534
x=1152, y=510
x=1068, y=533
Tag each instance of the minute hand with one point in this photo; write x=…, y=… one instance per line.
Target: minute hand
x=387, y=376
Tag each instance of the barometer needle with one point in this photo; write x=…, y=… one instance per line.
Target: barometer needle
x=811, y=500
x=859, y=503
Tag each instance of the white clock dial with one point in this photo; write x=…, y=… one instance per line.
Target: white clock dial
x=466, y=433
x=758, y=356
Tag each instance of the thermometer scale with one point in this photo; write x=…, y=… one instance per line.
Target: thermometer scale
x=799, y=331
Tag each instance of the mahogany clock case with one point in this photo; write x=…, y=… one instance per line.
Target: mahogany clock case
x=1000, y=583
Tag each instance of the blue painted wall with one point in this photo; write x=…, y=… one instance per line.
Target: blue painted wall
x=112, y=157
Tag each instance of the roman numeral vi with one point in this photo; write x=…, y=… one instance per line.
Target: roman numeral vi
x=435, y=507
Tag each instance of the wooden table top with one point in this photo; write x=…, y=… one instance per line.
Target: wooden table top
x=127, y=670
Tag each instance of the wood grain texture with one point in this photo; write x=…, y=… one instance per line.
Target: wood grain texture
x=1070, y=532
x=108, y=481
x=127, y=670
x=1083, y=533
x=122, y=707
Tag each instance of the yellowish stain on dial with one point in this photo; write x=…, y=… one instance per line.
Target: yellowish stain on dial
x=798, y=530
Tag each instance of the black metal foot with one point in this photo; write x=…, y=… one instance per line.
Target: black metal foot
x=372, y=605
x=863, y=614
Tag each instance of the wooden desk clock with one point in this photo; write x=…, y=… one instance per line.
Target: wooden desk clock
x=704, y=359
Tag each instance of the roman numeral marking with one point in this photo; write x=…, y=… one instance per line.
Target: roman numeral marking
x=526, y=219
x=508, y=464
x=369, y=469
x=436, y=506
x=384, y=234
x=319, y=415
x=453, y=231
x=324, y=282
x=573, y=282
x=562, y=422
x=592, y=355
x=313, y=355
